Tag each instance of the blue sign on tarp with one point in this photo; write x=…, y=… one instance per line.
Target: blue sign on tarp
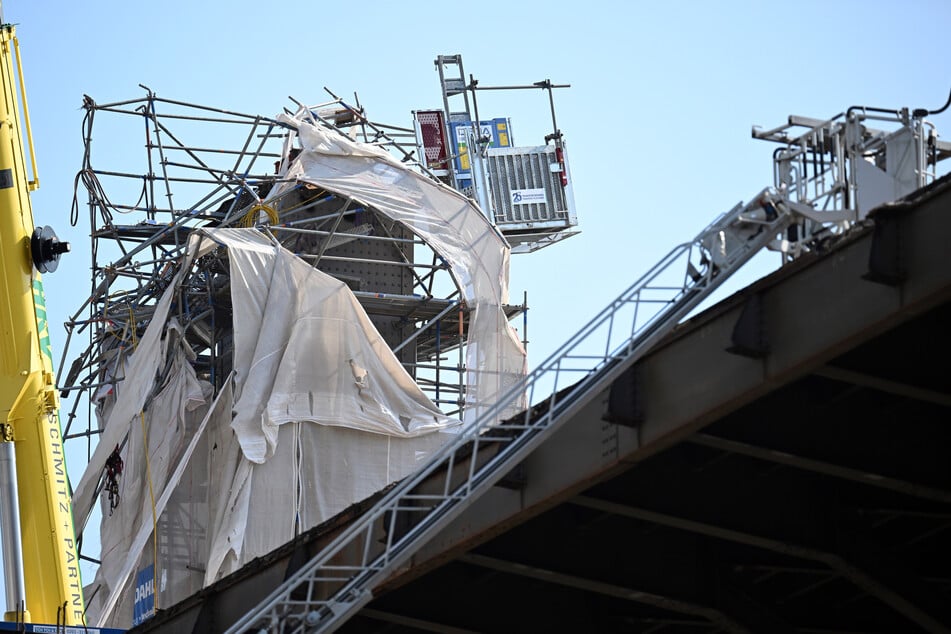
x=143, y=608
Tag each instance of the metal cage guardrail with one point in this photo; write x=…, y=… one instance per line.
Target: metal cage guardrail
x=524, y=189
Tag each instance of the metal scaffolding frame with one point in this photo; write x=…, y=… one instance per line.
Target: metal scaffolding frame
x=209, y=167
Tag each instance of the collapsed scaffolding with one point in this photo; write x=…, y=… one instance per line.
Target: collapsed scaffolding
x=374, y=255
x=412, y=260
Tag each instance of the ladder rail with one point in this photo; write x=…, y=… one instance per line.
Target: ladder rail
x=705, y=271
x=451, y=86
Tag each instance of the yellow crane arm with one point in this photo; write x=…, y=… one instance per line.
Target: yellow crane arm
x=29, y=405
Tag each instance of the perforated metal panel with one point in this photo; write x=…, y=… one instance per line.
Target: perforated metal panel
x=524, y=189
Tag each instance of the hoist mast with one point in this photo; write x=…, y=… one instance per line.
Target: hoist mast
x=41, y=564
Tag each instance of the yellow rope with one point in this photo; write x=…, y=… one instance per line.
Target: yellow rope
x=251, y=217
x=148, y=475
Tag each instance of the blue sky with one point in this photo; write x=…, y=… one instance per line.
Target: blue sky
x=657, y=119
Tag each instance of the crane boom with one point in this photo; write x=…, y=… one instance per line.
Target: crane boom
x=48, y=588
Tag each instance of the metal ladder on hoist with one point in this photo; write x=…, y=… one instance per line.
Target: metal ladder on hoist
x=338, y=581
x=452, y=81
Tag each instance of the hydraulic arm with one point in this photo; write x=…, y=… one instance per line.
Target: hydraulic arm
x=41, y=565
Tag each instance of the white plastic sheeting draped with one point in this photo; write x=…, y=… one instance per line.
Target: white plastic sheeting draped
x=286, y=314
x=160, y=444
x=321, y=415
x=263, y=471
x=130, y=396
x=451, y=224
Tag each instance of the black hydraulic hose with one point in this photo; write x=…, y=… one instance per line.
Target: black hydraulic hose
x=848, y=113
x=918, y=112
x=921, y=112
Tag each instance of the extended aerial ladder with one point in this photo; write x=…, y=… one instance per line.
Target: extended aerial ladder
x=41, y=565
x=322, y=594
x=827, y=179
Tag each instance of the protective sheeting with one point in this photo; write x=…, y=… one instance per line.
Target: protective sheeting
x=322, y=416
x=158, y=447
x=451, y=224
x=127, y=399
x=318, y=413
x=330, y=467
x=286, y=314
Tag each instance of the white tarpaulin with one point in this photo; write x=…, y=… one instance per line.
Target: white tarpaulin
x=159, y=445
x=451, y=224
x=323, y=415
x=288, y=313
x=319, y=415
x=130, y=394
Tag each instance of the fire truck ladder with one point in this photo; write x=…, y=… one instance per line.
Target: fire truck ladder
x=338, y=581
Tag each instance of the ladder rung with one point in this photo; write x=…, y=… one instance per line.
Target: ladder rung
x=454, y=86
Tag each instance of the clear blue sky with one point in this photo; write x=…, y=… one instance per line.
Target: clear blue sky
x=657, y=120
